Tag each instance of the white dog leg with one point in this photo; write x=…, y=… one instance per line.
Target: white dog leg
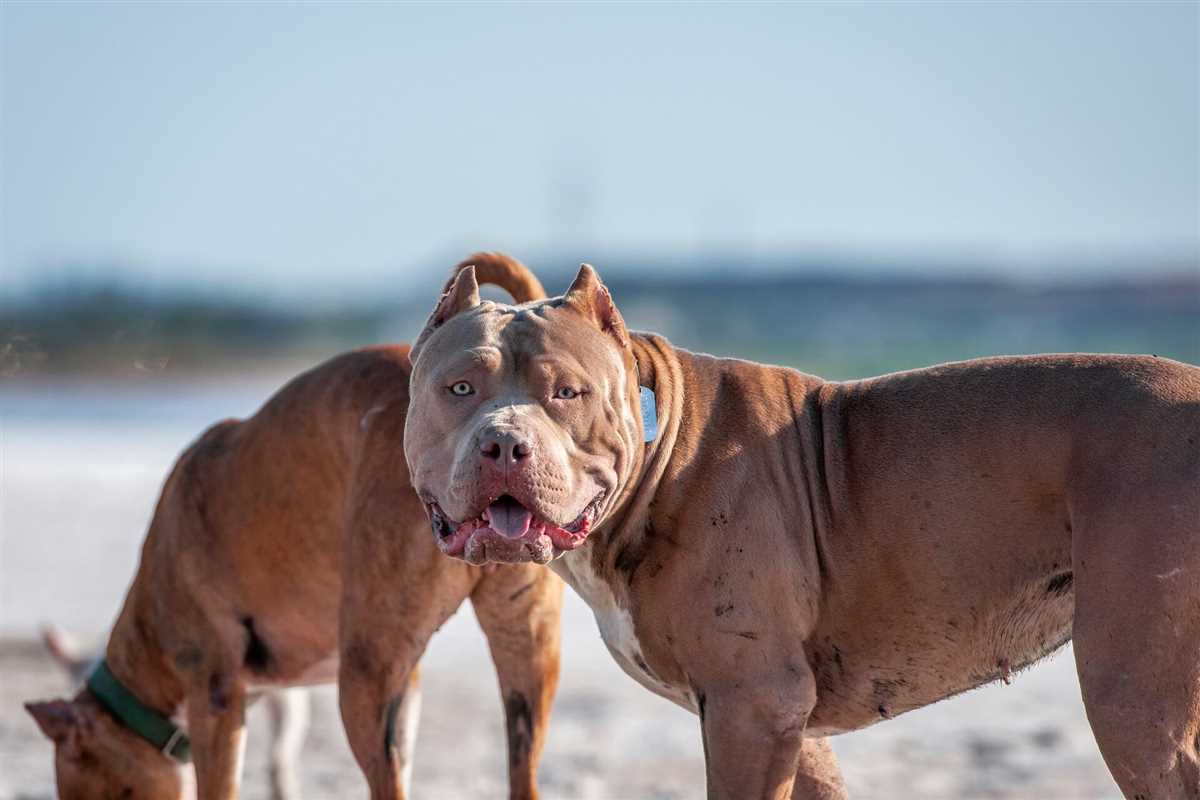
x=289, y=718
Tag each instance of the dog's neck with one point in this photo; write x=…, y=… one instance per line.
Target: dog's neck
x=623, y=536
x=659, y=371
x=135, y=654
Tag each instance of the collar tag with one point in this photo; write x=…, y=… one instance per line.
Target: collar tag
x=649, y=415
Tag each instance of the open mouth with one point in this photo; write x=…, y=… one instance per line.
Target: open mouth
x=507, y=531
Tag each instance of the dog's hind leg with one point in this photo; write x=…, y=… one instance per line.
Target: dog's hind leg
x=819, y=777
x=519, y=608
x=1137, y=631
x=289, y=712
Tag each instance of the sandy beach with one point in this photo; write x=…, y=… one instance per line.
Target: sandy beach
x=77, y=493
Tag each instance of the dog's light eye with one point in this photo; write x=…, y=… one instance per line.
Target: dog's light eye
x=462, y=389
x=566, y=393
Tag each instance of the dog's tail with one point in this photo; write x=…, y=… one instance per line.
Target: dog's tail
x=66, y=651
x=504, y=271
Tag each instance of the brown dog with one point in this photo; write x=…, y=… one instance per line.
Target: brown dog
x=792, y=558
x=278, y=543
x=287, y=707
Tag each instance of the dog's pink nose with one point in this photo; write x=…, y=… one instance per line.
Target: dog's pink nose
x=505, y=449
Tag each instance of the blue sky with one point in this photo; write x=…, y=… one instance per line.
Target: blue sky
x=321, y=148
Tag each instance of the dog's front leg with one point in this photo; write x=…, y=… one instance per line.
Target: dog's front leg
x=519, y=608
x=216, y=712
x=754, y=733
x=379, y=697
x=398, y=591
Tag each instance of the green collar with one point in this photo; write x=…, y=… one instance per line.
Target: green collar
x=137, y=716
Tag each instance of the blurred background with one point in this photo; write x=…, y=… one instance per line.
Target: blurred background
x=198, y=201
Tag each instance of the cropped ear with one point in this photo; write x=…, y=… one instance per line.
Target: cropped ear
x=56, y=718
x=462, y=294
x=591, y=298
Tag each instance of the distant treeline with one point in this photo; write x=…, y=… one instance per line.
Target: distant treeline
x=836, y=326
x=118, y=329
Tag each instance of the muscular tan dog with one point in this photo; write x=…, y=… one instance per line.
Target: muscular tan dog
x=792, y=558
x=279, y=542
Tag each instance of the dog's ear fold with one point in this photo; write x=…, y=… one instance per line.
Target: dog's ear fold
x=56, y=718
x=462, y=294
x=592, y=299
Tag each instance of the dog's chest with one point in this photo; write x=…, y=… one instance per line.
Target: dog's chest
x=616, y=625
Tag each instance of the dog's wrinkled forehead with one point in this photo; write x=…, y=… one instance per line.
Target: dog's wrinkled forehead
x=500, y=336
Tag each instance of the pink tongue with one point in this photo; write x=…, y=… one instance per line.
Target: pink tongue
x=509, y=518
